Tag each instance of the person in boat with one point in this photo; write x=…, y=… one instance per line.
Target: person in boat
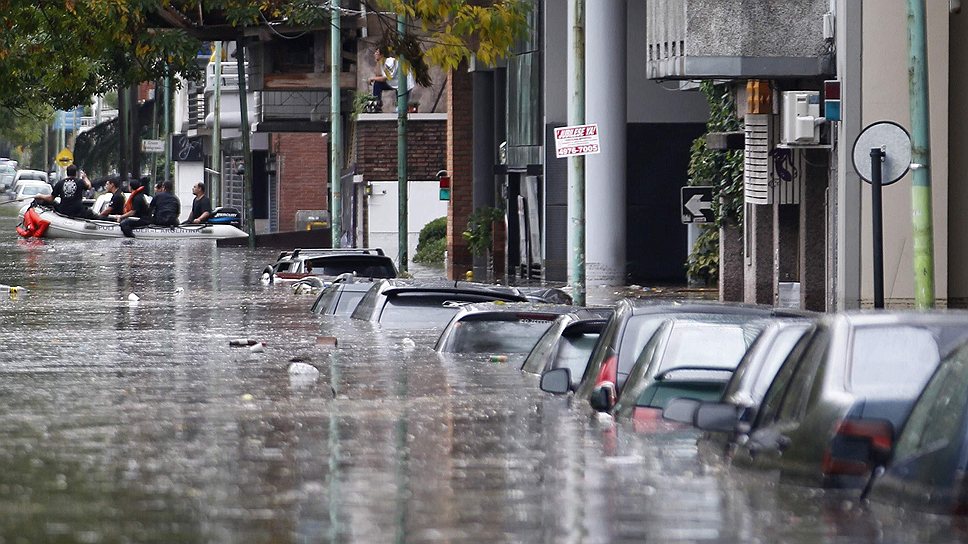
x=165, y=205
x=71, y=192
x=115, y=206
x=201, y=206
x=136, y=212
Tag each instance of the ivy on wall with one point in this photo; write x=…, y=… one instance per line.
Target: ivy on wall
x=723, y=170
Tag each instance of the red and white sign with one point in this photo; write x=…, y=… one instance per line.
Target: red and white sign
x=577, y=140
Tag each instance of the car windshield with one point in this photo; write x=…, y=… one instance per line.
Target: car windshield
x=31, y=190
x=502, y=335
x=365, y=267
x=33, y=176
x=412, y=310
x=706, y=346
x=898, y=359
x=348, y=301
x=542, y=351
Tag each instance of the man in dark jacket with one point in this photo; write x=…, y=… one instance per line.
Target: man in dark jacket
x=165, y=205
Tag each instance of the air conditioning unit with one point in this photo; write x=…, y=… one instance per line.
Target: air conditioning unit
x=800, y=118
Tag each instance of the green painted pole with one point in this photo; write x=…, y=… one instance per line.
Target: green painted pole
x=402, y=96
x=167, y=126
x=246, y=146
x=576, y=165
x=216, y=186
x=921, y=212
x=335, y=125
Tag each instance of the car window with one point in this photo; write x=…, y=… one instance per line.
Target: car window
x=366, y=267
x=573, y=353
x=324, y=299
x=498, y=336
x=939, y=413
x=774, y=394
x=414, y=311
x=366, y=307
x=637, y=333
x=896, y=357
x=541, y=352
x=348, y=301
x=701, y=345
x=31, y=190
x=805, y=378
x=778, y=350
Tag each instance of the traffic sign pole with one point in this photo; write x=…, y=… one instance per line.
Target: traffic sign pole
x=877, y=157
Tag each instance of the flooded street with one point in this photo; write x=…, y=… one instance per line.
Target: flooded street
x=127, y=421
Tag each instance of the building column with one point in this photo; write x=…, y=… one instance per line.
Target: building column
x=957, y=163
x=483, y=189
x=605, y=104
x=460, y=151
x=758, y=284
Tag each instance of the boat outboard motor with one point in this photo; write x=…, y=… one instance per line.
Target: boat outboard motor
x=226, y=216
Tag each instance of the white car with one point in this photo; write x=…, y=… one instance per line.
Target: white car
x=27, y=175
x=29, y=188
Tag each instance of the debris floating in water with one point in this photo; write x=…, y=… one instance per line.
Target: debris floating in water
x=13, y=290
x=499, y=358
x=327, y=341
x=303, y=369
x=179, y=291
x=133, y=298
x=243, y=342
x=258, y=347
x=408, y=343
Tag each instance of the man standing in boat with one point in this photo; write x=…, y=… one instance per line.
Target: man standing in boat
x=165, y=205
x=71, y=192
x=201, y=206
x=136, y=212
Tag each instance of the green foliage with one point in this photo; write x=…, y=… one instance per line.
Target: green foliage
x=480, y=226
x=432, y=243
x=724, y=172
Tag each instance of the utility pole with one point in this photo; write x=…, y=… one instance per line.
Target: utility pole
x=335, y=124
x=246, y=147
x=167, y=125
x=123, y=159
x=216, y=185
x=922, y=215
x=402, y=96
x=576, y=165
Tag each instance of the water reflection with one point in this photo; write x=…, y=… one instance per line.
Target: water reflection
x=135, y=421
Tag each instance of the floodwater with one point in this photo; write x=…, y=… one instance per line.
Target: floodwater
x=127, y=421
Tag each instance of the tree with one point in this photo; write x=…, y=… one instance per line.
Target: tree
x=68, y=50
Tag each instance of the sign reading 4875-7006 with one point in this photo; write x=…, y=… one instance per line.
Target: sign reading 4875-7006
x=577, y=140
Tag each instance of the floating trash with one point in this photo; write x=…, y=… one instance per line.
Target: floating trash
x=258, y=347
x=327, y=341
x=303, y=369
x=133, y=298
x=408, y=343
x=242, y=342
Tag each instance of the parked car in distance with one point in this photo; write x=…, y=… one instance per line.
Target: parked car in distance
x=407, y=304
x=25, y=175
x=301, y=263
x=340, y=297
x=568, y=343
x=632, y=325
x=749, y=382
x=503, y=329
x=7, y=173
x=929, y=465
x=831, y=414
x=27, y=189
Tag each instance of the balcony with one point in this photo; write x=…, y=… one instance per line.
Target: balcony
x=738, y=39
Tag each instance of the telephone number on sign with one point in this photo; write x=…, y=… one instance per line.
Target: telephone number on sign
x=578, y=150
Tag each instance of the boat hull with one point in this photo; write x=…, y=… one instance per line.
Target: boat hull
x=86, y=229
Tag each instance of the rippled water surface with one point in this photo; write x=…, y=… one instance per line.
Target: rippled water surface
x=130, y=421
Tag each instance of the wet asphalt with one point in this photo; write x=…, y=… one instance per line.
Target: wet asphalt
x=136, y=421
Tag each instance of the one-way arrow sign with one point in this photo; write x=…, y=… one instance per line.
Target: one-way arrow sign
x=697, y=204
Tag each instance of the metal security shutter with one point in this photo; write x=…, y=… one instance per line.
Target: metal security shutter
x=232, y=188
x=756, y=163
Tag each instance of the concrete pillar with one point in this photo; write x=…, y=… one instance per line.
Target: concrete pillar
x=845, y=212
x=758, y=280
x=731, y=263
x=605, y=104
x=483, y=184
x=958, y=163
x=786, y=253
x=460, y=135
x=813, y=209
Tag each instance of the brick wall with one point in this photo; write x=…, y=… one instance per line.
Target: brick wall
x=303, y=174
x=460, y=151
x=377, y=149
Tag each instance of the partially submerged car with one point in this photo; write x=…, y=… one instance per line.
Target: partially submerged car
x=500, y=329
x=415, y=305
x=328, y=263
x=831, y=414
x=568, y=343
x=340, y=297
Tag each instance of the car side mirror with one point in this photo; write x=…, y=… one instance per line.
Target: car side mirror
x=716, y=417
x=556, y=380
x=681, y=410
x=602, y=398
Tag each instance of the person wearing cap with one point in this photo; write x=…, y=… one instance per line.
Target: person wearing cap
x=136, y=212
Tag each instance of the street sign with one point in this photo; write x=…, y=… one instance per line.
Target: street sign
x=65, y=158
x=153, y=146
x=576, y=140
x=697, y=204
x=894, y=141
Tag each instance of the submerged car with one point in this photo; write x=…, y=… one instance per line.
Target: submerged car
x=929, y=465
x=633, y=324
x=407, y=304
x=303, y=263
x=340, y=297
x=568, y=343
x=831, y=413
x=503, y=329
